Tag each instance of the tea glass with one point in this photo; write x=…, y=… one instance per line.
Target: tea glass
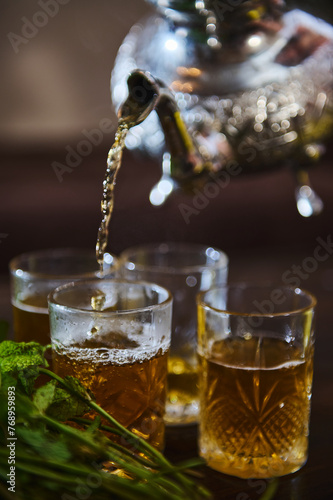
x=34, y=275
x=184, y=269
x=114, y=336
x=255, y=349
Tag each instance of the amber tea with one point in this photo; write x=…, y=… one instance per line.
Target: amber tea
x=31, y=320
x=132, y=392
x=255, y=421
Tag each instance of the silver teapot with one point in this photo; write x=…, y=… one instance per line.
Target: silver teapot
x=226, y=86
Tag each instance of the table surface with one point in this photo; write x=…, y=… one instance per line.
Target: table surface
x=315, y=480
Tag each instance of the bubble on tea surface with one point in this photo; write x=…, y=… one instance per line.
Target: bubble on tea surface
x=93, y=332
x=102, y=353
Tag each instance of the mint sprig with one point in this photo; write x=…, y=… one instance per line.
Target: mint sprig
x=55, y=460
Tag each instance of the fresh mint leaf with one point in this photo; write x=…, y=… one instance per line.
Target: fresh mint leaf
x=58, y=403
x=27, y=378
x=44, y=396
x=75, y=385
x=44, y=444
x=21, y=355
x=21, y=361
x=54, y=459
x=7, y=380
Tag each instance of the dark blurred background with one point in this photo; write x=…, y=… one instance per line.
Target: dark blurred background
x=55, y=87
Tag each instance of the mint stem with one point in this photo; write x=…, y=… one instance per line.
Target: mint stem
x=143, y=445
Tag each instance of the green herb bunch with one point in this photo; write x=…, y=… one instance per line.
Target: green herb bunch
x=46, y=457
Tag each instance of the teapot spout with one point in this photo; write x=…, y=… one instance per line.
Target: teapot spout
x=145, y=94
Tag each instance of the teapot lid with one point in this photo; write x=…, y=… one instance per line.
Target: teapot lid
x=223, y=21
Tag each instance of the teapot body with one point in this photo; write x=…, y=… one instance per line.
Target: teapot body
x=262, y=97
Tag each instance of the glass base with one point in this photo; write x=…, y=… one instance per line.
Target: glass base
x=182, y=404
x=177, y=413
x=255, y=468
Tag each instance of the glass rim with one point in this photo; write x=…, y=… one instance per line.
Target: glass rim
x=17, y=269
x=125, y=258
x=75, y=284
x=288, y=312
